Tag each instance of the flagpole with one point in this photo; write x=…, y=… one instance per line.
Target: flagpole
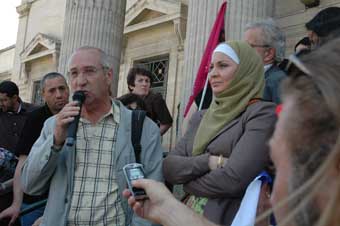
x=204, y=92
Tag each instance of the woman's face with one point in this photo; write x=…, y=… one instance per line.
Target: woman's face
x=142, y=85
x=221, y=72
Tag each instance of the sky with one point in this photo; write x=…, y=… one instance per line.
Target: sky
x=8, y=22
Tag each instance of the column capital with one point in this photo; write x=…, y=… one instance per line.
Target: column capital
x=24, y=9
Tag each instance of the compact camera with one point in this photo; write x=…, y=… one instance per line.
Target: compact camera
x=134, y=171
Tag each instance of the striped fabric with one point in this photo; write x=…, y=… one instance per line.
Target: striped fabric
x=95, y=199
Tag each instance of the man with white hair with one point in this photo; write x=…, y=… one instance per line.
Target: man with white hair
x=85, y=181
x=269, y=42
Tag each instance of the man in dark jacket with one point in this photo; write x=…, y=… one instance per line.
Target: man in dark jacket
x=13, y=113
x=55, y=93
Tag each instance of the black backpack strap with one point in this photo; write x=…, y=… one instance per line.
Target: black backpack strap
x=137, y=121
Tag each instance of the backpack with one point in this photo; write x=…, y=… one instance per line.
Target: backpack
x=8, y=162
x=137, y=120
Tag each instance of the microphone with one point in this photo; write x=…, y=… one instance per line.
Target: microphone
x=78, y=96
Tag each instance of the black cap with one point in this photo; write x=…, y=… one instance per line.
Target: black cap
x=325, y=21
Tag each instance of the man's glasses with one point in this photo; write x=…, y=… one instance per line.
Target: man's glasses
x=295, y=64
x=297, y=68
x=259, y=46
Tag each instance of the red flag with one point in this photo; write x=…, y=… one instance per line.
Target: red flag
x=206, y=58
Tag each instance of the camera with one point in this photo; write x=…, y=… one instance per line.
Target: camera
x=134, y=171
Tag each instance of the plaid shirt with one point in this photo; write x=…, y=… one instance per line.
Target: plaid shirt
x=95, y=199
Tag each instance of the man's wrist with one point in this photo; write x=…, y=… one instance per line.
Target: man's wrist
x=56, y=146
x=16, y=204
x=169, y=210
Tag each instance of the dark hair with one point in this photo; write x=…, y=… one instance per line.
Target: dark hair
x=325, y=22
x=137, y=70
x=132, y=98
x=10, y=88
x=50, y=75
x=305, y=41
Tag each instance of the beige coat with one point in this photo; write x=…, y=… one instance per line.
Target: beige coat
x=244, y=141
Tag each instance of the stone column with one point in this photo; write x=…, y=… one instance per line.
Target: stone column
x=19, y=73
x=241, y=12
x=201, y=18
x=98, y=23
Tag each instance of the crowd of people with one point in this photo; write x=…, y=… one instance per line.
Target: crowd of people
x=266, y=150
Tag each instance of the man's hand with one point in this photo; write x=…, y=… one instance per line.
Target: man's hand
x=162, y=207
x=38, y=221
x=63, y=118
x=159, y=200
x=11, y=212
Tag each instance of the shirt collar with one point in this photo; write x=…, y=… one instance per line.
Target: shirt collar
x=267, y=67
x=114, y=112
x=19, y=108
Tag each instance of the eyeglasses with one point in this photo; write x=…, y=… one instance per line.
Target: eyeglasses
x=297, y=68
x=296, y=64
x=87, y=71
x=259, y=46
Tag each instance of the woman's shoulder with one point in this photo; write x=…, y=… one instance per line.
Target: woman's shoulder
x=261, y=107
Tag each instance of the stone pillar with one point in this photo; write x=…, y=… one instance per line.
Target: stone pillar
x=201, y=18
x=98, y=23
x=241, y=12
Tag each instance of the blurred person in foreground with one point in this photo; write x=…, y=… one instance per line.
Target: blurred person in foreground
x=305, y=149
x=55, y=94
x=225, y=146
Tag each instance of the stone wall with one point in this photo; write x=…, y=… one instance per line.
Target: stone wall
x=35, y=16
x=292, y=16
x=6, y=65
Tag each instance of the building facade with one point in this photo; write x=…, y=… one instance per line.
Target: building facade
x=167, y=36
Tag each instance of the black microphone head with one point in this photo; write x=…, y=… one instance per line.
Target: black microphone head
x=79, y=96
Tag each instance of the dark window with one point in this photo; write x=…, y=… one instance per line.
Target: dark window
x=37, y=98
x=159, y=68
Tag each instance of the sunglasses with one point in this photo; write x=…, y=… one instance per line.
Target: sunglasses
x=295, y=65
x=296, y=68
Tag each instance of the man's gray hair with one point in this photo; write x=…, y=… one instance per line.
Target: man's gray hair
x=104, y=58
x=50, y=75
x=272, y=35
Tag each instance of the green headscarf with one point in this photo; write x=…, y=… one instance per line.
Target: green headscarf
x=248, y=83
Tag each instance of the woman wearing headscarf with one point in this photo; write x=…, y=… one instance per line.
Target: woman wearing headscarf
x=225, y=147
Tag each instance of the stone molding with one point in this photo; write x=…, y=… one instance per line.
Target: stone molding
x=51, y=44
x=24, y=9
x=164, y=7
x=51, y=47
x=173, y=12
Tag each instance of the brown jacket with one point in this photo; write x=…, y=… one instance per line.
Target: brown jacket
x=243, y=141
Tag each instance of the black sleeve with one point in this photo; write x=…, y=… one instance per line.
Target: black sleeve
x=161, y=110
x=29, y=134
